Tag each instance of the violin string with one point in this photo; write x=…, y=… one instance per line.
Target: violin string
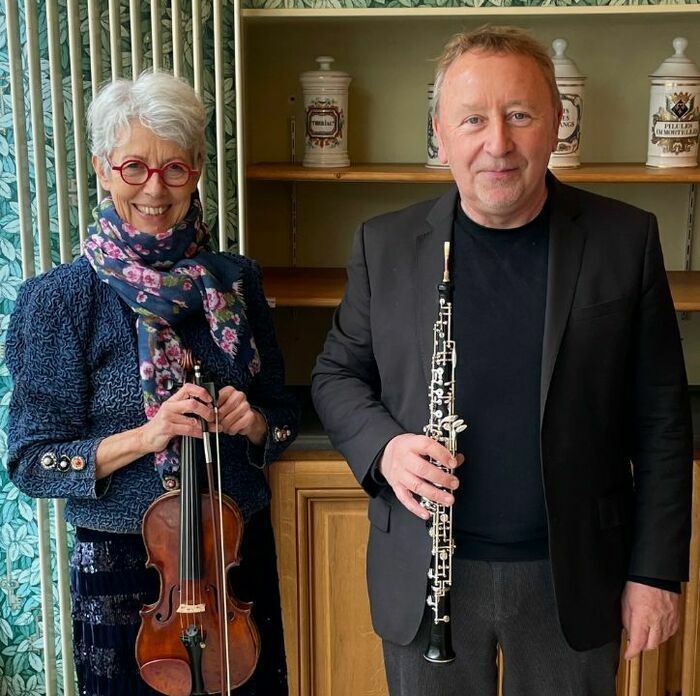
x=194, y=537
x=222, y=582
x=183, y=556
x=185, y=529
x=188, y=532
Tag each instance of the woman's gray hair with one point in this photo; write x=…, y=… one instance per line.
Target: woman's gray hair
x=159, y=101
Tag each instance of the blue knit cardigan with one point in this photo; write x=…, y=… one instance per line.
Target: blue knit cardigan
x=71, y=350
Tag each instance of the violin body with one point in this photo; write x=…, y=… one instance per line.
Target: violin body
x=180, y=646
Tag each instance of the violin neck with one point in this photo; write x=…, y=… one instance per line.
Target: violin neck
x=190, y=513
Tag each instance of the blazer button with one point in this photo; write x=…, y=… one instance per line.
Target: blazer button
x=77, y=463
x=170, y=482
x=48, y=460
x=63, y=463
x=281, y=434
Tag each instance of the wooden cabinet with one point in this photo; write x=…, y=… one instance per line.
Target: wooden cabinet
x=321, y=527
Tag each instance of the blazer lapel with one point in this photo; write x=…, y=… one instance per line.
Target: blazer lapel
x=566, y=243
x=428, y=265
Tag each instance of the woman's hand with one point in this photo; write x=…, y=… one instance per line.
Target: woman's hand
x=238, y=417
x=175, y=417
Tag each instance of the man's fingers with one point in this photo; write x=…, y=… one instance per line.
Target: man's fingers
x=410, y=503
x=425, y=489
x=436, y=451
x=654, y=638
x=428, y=471
x=636, y=641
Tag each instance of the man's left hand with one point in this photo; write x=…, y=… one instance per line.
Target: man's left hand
x=650, y=617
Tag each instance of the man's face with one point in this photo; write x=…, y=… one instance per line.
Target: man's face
x=496, y=126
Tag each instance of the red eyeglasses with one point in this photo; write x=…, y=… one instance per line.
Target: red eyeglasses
x=136, y=173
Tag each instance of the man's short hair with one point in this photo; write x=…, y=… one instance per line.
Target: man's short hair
x=498, y=40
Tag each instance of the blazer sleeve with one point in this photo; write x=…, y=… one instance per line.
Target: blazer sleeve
x=49, y=455
x=267, y=393
x=346, y=385
x=661, y=440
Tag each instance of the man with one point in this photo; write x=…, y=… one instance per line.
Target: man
x=572, y=508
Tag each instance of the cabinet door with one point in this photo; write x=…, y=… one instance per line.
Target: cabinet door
x=320, y=517
x=321, y=527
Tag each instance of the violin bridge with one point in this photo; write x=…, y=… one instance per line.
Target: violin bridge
x=191, y=608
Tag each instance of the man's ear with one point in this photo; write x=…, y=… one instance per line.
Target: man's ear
x=105, y=181
x=442, y=152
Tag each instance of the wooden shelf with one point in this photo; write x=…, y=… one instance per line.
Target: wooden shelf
x=304, y=287
x=625, y=172
x=323, y=287
x=685, y=287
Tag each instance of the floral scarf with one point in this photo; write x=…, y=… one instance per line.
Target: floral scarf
x=166, y=278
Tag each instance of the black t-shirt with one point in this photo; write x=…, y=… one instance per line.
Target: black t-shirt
x=500, y=286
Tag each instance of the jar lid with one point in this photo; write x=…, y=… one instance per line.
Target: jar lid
x=677, y=65
x=324, y=70
x=564, y=67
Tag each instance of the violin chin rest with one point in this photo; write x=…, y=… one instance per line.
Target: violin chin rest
x=169, y=676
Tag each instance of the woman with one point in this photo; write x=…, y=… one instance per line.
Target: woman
x=98, y=406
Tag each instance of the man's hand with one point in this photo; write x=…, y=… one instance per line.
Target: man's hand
x=650, y=617
x=405, y=468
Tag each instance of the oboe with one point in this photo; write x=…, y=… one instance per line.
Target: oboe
x=443, y=427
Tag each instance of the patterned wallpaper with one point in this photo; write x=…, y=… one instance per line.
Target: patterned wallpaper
x=21, y=668
x=363, y=4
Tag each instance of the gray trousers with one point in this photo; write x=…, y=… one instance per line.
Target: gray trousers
x=510, y=605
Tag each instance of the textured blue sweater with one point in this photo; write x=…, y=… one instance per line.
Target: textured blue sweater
x=72, y=353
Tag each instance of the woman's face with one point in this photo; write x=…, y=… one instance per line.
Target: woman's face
x=151, y=207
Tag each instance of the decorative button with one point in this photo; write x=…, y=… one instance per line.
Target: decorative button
x=281, y=434
x=63, y=463
x=77, y=463
x=48, y=460
x=170, y=483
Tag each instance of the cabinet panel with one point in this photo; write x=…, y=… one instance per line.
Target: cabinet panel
x=320, y=518
x=347, y=656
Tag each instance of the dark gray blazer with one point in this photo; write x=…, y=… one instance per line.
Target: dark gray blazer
x=616, y=441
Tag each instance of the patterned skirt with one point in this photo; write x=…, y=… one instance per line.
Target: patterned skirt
x=110, y=584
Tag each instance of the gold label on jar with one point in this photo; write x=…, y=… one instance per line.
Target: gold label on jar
x=676, y=124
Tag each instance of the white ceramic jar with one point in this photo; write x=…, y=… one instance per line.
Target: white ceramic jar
x=432, y=159
x=325, y=115
x=570, y=83
x=674, y=111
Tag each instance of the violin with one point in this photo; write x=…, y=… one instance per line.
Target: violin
x=197, y=638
